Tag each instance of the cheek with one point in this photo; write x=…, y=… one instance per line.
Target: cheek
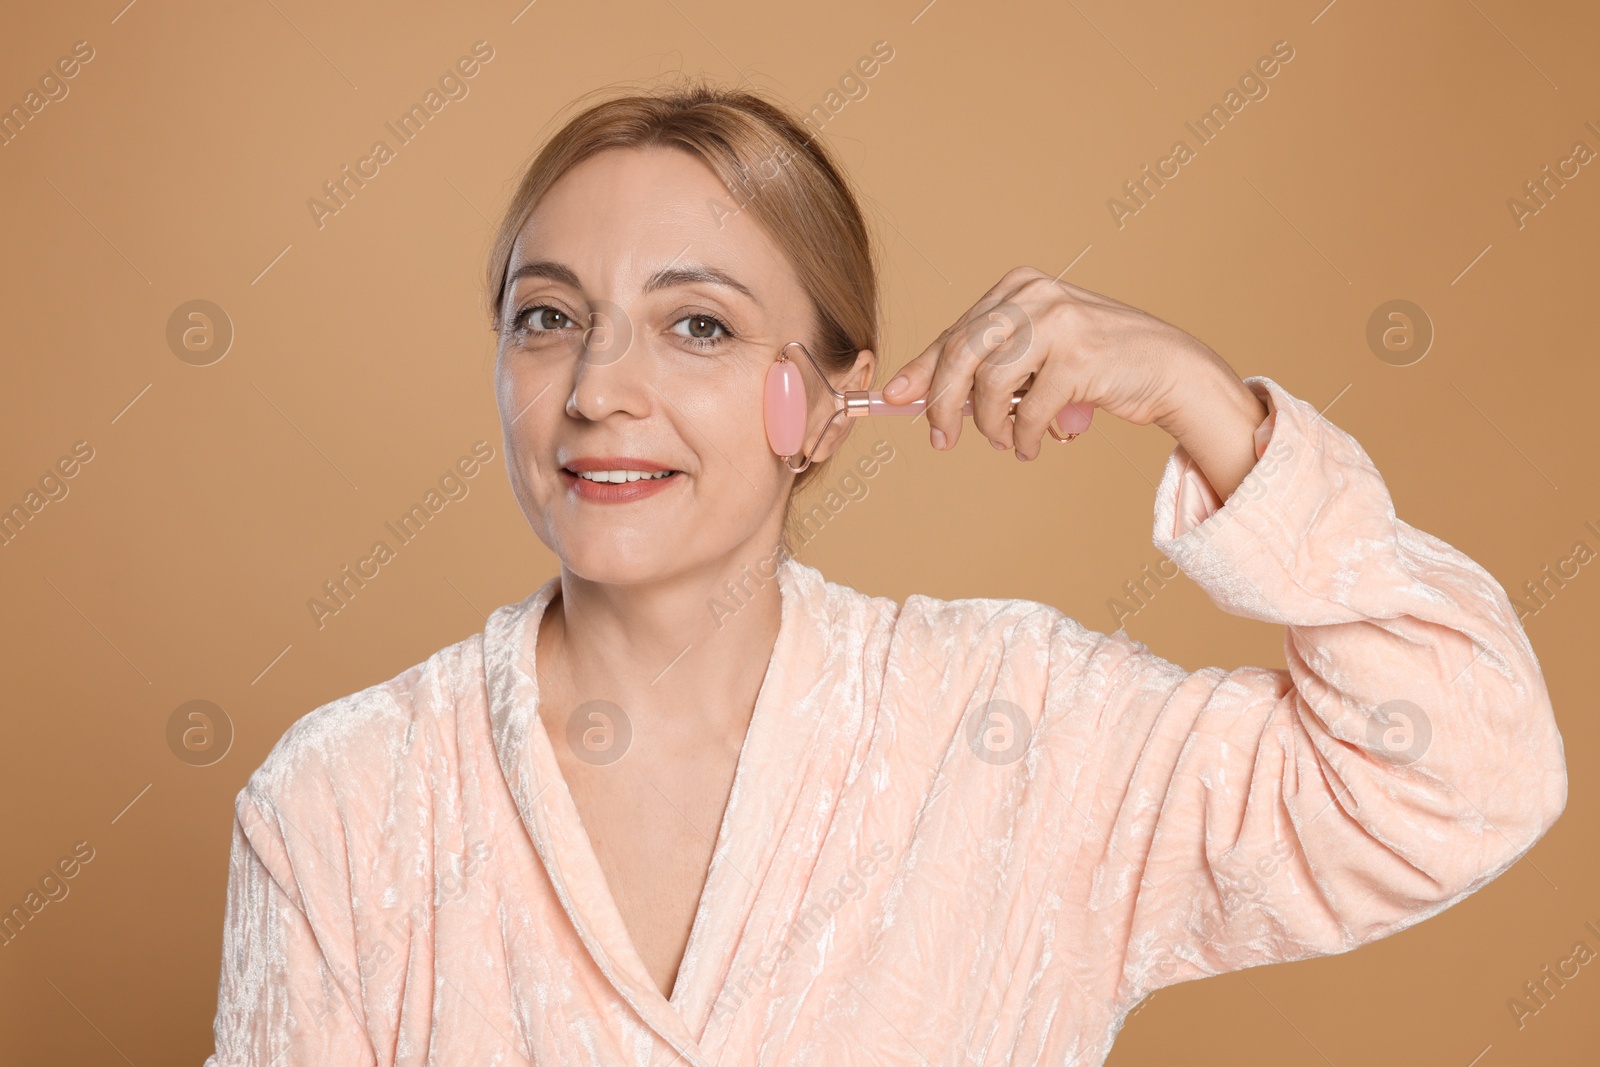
x=511, y=380
x=523, y=389
x=722, y=421
x=740, y=483
x=527, y=402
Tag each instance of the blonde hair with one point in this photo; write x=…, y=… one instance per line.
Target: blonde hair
x=770, y=165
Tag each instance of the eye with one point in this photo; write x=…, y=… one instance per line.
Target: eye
x=702, y=330
x=541, y=318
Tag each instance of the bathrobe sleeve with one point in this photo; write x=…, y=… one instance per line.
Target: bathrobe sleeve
x=290, y=990
x=1408, y=754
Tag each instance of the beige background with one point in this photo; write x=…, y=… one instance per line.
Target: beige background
x=178, y=567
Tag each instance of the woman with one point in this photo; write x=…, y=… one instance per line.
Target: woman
x=690, y=801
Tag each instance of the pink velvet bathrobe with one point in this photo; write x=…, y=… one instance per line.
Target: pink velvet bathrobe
x=961, y=832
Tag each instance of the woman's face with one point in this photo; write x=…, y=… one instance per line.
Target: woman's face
x=641, y=313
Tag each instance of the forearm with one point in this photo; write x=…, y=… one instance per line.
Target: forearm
x=1214, y=418
x=1406, y=755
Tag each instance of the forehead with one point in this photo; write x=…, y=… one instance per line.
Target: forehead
x=639, y=208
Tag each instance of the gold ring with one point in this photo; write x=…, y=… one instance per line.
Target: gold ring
x=1051, y=428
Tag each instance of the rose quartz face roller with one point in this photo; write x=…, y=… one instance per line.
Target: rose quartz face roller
x=784, y=408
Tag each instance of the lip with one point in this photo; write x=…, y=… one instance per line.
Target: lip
x=615, y=492
x=614, y=463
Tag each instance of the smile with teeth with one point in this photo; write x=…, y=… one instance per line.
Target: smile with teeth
x=621, y=476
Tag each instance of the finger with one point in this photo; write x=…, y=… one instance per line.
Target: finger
x=916, y=380
x=944, y=372
x=949, y=388
x=1004, y=337
x=911, y=381
x=1057, y=384
x=961, y=353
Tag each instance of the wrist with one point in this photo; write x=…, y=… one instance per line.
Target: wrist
x=1207, y=394
x=1215, y=419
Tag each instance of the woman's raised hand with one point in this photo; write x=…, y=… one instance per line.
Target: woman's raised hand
x=1066, y=344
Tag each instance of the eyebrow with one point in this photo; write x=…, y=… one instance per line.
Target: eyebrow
x=664, y=278
x=670, y=276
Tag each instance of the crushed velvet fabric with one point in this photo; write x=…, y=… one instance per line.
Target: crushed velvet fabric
x=961, y=832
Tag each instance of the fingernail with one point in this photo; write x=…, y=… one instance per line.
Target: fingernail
x=1021, y=456
x=936, y=435
x=899, y=382
x=998, y=445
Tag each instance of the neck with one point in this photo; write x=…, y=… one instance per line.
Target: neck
x=687, y=650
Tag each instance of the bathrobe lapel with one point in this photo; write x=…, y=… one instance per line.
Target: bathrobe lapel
x=776, y=770
x=767, y=783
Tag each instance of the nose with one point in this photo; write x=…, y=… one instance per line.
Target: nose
x=612, y=372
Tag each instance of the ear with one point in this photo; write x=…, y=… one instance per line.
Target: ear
x=865, y=369
x=859, y=376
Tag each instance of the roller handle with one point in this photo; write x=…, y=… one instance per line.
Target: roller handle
x=784, y=409
x=1072, y=419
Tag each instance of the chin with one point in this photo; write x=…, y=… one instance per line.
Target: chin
x=626, y=560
